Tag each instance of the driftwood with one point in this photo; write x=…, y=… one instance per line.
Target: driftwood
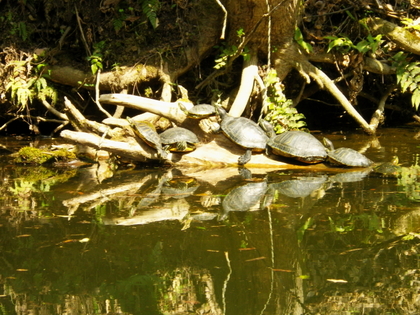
x=215, y=151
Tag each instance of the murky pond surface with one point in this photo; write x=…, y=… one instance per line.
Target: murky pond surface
x=157, y=241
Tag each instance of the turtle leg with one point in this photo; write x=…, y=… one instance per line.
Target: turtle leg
x=162, y=153
x=243, y=159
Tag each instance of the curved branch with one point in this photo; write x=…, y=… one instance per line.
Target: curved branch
x=378, y=115
x=249, y=72
x=325, y=82
x=165, y=109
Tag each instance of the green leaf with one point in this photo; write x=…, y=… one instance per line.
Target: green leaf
x=415, y=99
x=415, y=71
x=94, y=68
x=406, y=83
x=412, y=66
x=299, y=39
x=363, y=46
x=413, y=86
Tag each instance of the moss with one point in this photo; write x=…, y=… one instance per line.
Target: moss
x=30, y=155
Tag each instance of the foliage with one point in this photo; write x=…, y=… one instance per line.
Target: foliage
x=409, y=179
x=230, y=51
x=298, y=37
x=408, y=77
x=28, y=82
x=150, y=9
x=371, y=222
x=96, y=58
x=15, y=28
x=410, y=24
x=279, y=110
x=345, y=44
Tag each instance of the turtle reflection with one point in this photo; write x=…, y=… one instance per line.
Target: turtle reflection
x=244, y=198
x=300, y=187
x=179, y=187
x=350, y=177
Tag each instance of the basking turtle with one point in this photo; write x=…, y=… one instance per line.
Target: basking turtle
x=147, y=132
x=299, y=145
x=178, y=140
x=345, y=156
x=389, y=168
x=199, y=111
x=243, y=132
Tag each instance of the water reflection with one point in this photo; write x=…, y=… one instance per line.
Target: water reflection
x=159, y=241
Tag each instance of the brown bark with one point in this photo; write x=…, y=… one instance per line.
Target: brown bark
x=406, y=40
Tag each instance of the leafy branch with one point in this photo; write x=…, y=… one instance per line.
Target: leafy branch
x=230, y=51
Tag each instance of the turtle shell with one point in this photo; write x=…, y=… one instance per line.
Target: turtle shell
x=201, y=111
x=243, y=132
x=147, y=132
x=298, y=145
x=388, y=168
x=179, y=139
x=348, y=157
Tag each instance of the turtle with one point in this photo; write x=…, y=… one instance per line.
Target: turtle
x=296, y=144
x=147, y=132
x=178, y=139
x=199, y=111
x=243, y=132
x=388, y=168
x=345, y=156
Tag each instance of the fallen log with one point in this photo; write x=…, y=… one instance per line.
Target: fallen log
x=216, y=151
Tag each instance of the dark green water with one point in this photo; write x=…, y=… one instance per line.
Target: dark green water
x=158, y=241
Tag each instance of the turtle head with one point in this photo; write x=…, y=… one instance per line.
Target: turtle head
x=267, y=127
x=182, y=107
x=220, y=111
x=328, y=144
x=395, y=160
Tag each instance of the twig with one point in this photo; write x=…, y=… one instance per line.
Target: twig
x=54, y=111
x=81, y=32
x=268, y=36
x=10, y=121
x=63, y=37
x=224, y=20
x=60, y=127
x=98, y=80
